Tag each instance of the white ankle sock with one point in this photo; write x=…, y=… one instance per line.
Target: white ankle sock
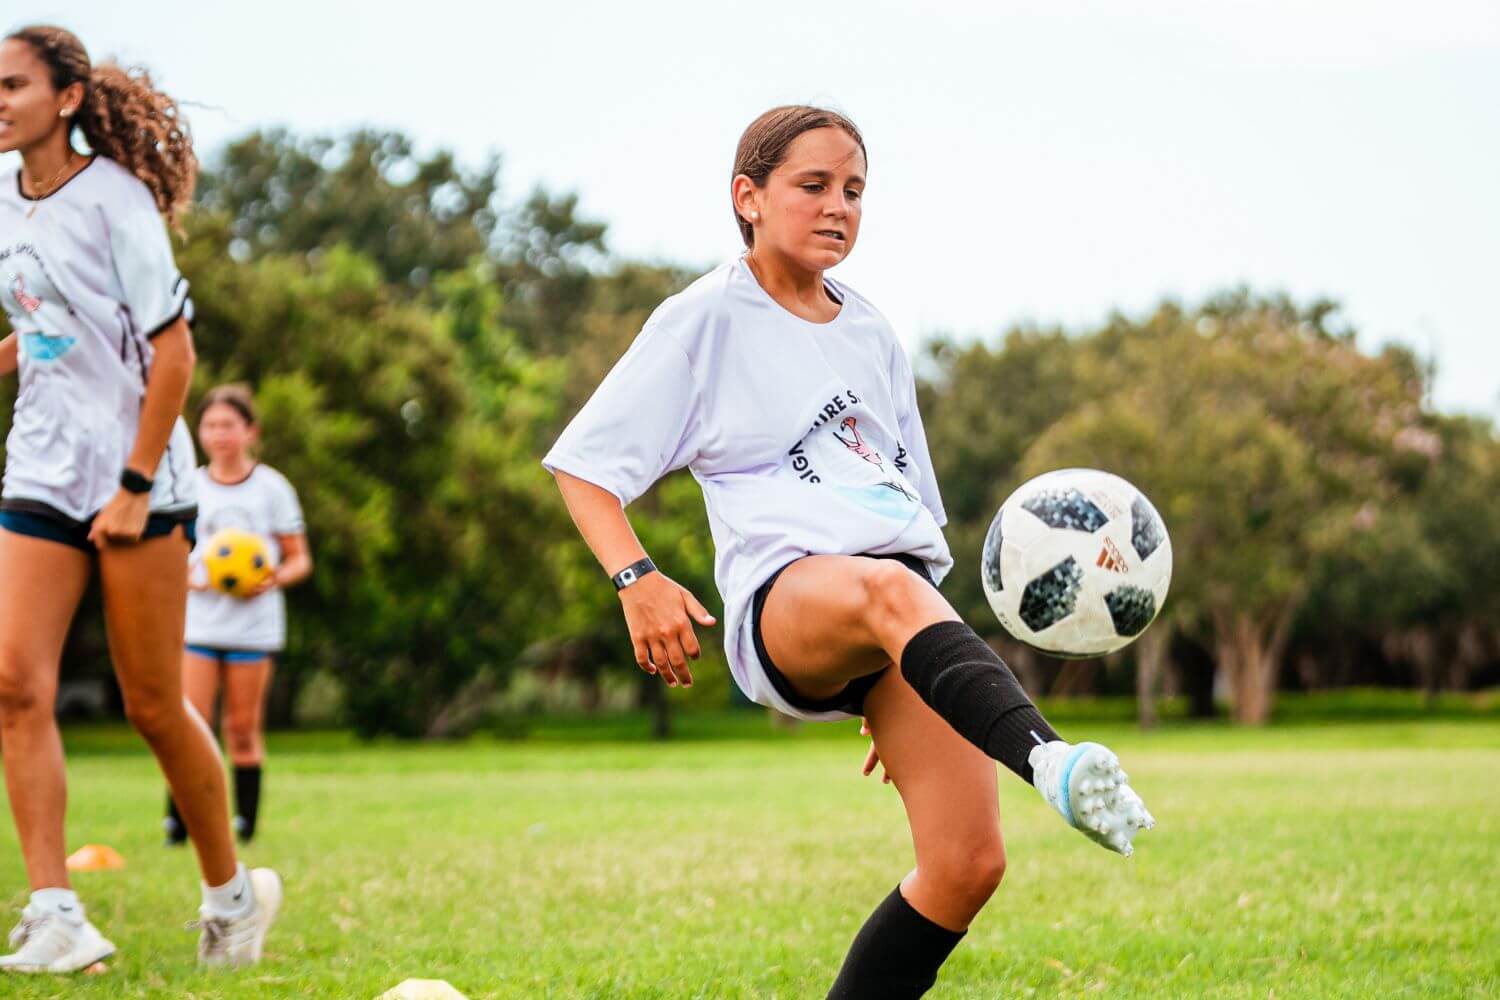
x=63, y=902
x=230, y=899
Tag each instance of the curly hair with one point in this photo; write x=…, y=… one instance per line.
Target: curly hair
x=123, y=117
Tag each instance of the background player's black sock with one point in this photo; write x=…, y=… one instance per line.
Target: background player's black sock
x=895, y=955
x=963, y=680
x=176, y=828
x=246, y=799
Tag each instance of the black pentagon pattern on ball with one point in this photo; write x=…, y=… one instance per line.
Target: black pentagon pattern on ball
x=1131, y=608
x=1066, y=509
x=989, y=561
x=259, y=561
x=1146, y=531
x=230, y=582
x=1051, y=597
x=224, y=551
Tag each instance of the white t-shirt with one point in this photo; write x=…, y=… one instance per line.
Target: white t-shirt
x=263, y=503
x=88, y=280
x=805, y=438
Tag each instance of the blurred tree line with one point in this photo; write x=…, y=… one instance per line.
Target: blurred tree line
x=416, y=339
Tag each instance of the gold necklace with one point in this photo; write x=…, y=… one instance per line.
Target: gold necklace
x=51, y=186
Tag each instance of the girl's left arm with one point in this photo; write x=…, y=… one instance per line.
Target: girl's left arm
x=296, y=560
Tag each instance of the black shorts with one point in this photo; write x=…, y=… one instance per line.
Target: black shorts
x=40, y=520
x=850, y=700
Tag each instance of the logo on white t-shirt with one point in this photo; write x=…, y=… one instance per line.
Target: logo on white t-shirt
x=837, y=452
x=25, y=300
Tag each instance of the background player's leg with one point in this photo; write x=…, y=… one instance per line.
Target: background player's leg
x=145, y=602
x=41, y=583
x=245, y=686
x=948, y=788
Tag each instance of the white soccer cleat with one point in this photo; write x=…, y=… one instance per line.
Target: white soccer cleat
x=46, y=942
x=240, y=940
x=1085, y=785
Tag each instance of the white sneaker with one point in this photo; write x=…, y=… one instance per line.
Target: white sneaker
x=239, y=940
x=1085, y=785
x=49, y=942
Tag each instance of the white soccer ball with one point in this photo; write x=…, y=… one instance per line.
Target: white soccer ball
x=1076, y=563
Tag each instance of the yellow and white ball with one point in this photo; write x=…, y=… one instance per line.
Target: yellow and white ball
x=237, y=562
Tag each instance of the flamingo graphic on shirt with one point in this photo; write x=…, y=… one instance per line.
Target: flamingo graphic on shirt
x=35, y=344
x=18, y=292
x=856, y=443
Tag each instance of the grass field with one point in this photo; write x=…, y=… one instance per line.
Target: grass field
x=1340, y=859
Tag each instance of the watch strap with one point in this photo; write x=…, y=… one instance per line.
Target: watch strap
x=133, y=482
x=633, y=572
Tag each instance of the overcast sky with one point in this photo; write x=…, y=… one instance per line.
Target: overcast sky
x=1040, y=161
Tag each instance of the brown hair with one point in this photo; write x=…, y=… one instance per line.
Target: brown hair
x=764, y=144
x=235, y=395
x=124, y=117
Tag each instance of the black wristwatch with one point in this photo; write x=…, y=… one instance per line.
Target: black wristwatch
x=633, y=572
x=133, y=482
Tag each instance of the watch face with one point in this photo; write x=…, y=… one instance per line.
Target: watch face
x=627, y=577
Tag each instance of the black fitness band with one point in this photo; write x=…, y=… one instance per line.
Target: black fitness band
x=633, y=572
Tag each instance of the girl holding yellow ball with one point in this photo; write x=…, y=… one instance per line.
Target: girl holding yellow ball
x=251, y=543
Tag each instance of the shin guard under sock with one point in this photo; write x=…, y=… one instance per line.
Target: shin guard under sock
x=895, y=955
x=963, y=680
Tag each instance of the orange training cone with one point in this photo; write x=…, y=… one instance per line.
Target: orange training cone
x=95, y=858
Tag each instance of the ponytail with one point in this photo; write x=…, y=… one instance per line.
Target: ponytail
x=124, y=117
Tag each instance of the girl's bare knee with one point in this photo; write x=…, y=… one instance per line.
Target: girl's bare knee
x=155, y=718
x=893, y=593
x=968, y=870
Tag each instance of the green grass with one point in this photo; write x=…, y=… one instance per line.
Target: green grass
x=1340, y=859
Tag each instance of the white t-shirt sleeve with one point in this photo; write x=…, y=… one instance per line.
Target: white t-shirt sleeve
x=641, y=423
x=914, y=435
x=154, y=290
x=286, y=510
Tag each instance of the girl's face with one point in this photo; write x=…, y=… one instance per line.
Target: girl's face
x=30, y=110
x=225, y=434
x=809, y=209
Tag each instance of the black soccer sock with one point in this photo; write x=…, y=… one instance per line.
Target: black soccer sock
x=246, y=799
x=176, y=828
x=963, y=680
x=895, y=955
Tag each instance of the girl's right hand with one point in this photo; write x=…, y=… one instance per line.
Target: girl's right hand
x=660, y=614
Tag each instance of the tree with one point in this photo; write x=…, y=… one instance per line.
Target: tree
x=412, y=433
x=413, y=216
x=1260, y=435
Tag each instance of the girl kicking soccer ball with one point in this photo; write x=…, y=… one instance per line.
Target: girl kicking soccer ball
x=232, y=641
x=789, y=397
x=99, y=470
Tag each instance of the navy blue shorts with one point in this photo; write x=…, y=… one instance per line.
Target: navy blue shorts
x=38, y=520
x=852, y=698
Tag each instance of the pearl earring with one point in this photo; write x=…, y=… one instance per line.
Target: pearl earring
x=754, y=216
x=66, y=112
